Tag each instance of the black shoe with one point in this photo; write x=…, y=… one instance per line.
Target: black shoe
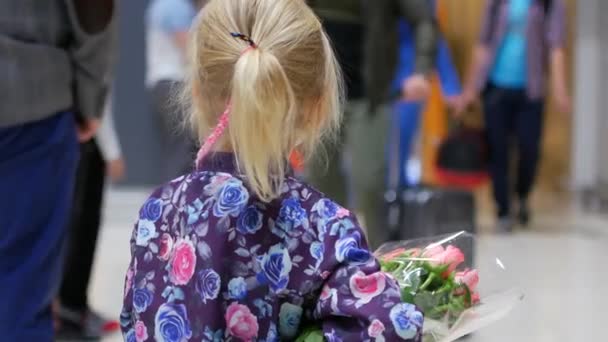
x=504, y=225
x=524, y=215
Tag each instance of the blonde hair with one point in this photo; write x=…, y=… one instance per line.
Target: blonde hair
x=286, y=93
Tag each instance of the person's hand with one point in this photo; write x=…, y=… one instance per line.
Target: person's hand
x=416, y=88
x=454, y=104
x=116, y=169
x=465, y=100
x=87, y=129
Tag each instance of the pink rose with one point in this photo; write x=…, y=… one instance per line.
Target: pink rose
x=375, y=329
x=183, y=262
x=392, y=255
x=450, y=256
x=366, y=287
x=433, y=250
x=475, y=298
x=166, y=246
x=342, y=213
x=468, y=277
x=141, y=332
x=241, y=323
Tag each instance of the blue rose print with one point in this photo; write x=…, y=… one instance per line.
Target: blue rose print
x=289, y=320
x=231, y=199
x=332, y=337
x=146, y=231
x=142, y=298
x=348, y=250
x=250, y=221
x=275, y=267
x=130, y=336
x=326, y=209
x=406, y=319
x=237, y=289
x=273, y=336
x=171, y=323
x=292, y=212
x=317, y=250
x=208, y=284
x=151, y=210
x=291, y=216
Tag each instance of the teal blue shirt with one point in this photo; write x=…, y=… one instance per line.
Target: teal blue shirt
x=510, y=67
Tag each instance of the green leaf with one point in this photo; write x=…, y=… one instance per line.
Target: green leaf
x=312, y=334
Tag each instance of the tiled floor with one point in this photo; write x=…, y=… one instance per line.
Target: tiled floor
x=560, y=265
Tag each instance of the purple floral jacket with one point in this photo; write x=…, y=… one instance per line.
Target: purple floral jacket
x=211, y=262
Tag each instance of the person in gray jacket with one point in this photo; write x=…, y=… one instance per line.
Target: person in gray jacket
x=54, y=61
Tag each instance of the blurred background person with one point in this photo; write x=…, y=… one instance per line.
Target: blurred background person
x=53, y=62
x=406, y=118
x=167, y=25
x=520, y=40
x=367, y=136
x=330, y=170
x=99, y=158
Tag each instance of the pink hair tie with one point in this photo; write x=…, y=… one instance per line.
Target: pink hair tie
x=219, y=130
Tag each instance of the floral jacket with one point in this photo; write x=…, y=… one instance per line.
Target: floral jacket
x=211, y=262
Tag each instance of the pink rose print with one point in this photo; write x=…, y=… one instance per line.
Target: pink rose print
x=325, y=275
x=375, y=329
x=166, y=246
x=183, y=262
x=470, y=278
x=367, y=287
x=141, y=332
x=241, y=323
x=342, y=213
x=325, y=293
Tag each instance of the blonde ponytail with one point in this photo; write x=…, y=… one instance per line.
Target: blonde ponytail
x=262, y=123
x=285, y=90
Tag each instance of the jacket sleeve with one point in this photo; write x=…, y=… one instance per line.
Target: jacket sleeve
x=107, y=138
x=556, y=28
x=358, y=302
x=92, y=52
x=419, y=14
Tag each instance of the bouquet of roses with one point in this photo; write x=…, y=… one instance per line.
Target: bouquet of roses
x=437, y=275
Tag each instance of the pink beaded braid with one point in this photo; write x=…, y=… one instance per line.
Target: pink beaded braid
x=220, y=128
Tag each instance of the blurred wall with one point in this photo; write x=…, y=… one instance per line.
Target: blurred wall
x=464, y=20
x=590, y=150
x=135, y=123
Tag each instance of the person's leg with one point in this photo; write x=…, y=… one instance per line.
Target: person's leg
x=179, y=148
x=529, y=126
x=366, y=138
x=498, y=114
x=84, y=229
x=37, y=168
